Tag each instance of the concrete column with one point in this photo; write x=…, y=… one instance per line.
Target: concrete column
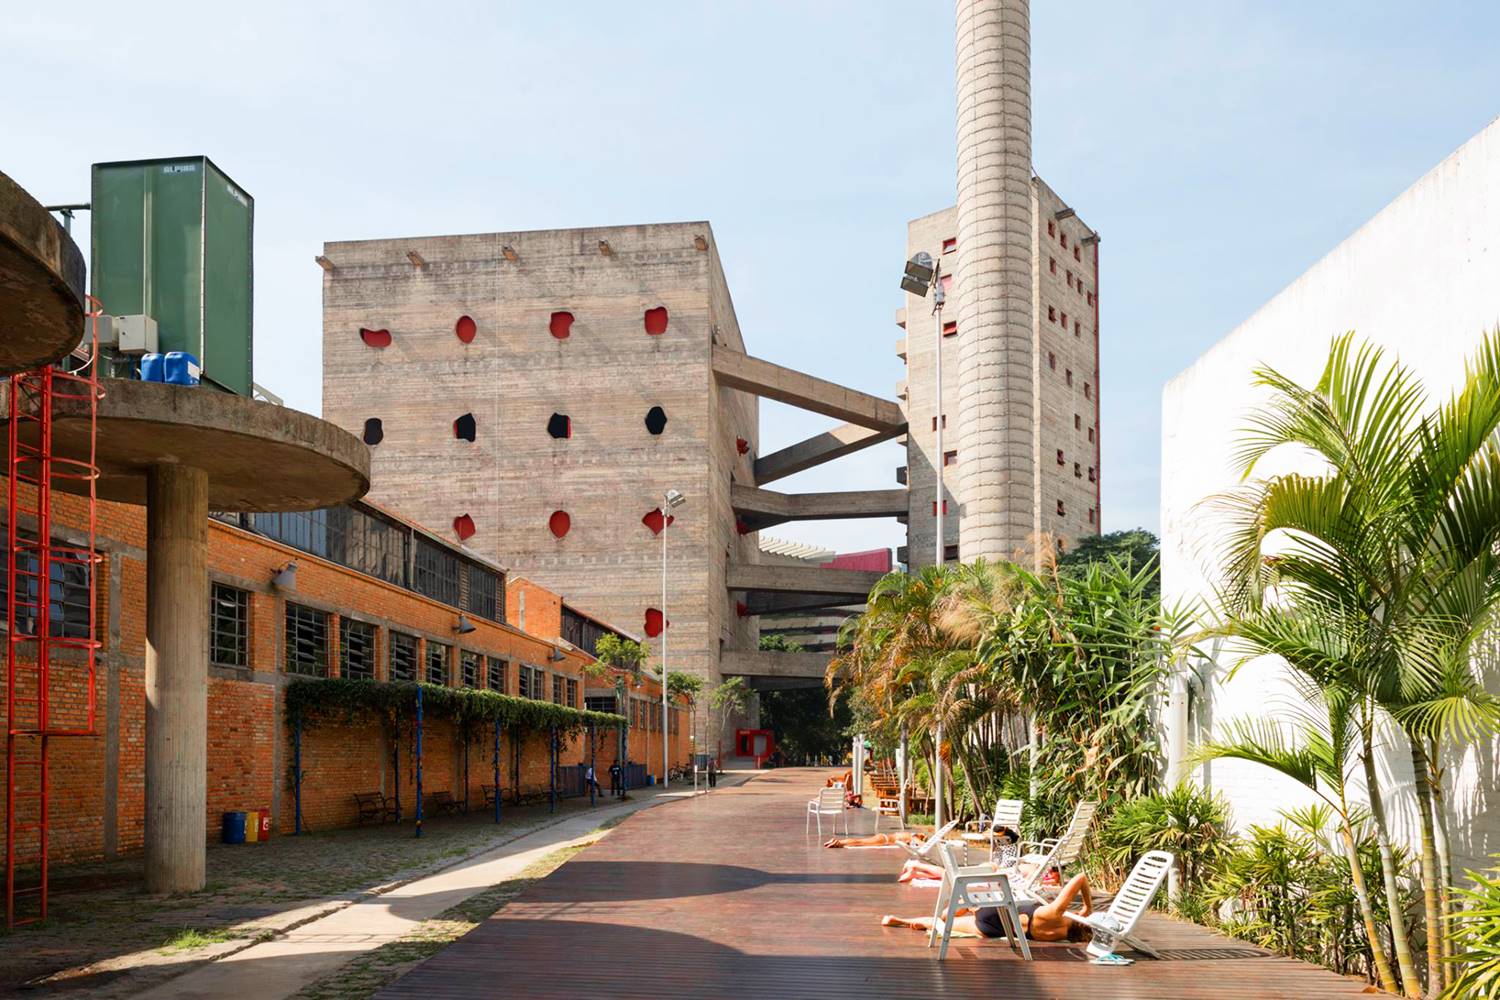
x=996, y=470
x=176, y=677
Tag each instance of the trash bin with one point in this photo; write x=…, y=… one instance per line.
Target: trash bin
x=234, y=828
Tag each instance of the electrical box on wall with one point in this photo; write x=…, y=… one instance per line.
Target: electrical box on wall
x=172, y=244
x=135, y=334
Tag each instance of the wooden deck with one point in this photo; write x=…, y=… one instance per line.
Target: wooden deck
x=722, y=896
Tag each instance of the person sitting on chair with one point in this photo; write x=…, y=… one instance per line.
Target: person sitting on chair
x=1040, y=921
x=842, y=780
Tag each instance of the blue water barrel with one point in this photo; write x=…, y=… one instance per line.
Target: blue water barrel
x=234, y=828
x=180, y=368
x=153, y=368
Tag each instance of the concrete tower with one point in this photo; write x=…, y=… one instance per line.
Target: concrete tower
x=996, y=475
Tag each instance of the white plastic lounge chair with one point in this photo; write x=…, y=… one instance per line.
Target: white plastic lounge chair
x=885, y=806
x=970, y=888
x=1117, y=924
x=830, y=802
x=1053, y=853
x=986, y=829
x=927, y=849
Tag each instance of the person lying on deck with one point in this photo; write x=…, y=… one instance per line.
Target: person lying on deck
x=1040, y=921
x=916, y=868
x=879, y=840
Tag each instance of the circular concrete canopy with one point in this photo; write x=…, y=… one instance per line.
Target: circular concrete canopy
x=41, y=283
x=258, y=456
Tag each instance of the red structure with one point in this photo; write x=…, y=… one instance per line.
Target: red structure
x=47, y=695
x=757, y=743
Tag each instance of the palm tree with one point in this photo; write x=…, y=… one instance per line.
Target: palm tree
x=1398, y=534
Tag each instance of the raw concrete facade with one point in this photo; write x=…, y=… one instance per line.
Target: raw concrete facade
x=1421, y=280
x=1059, y=423
x=560, y=323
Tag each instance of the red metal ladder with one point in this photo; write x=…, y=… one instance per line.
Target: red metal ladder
x=50, y=657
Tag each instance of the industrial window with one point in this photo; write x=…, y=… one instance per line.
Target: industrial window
x=950, y=328
x=935, y=421
x=1077, y=327
x=935, y=507
x=1060, y=459
x=1076, y=255
x=560, y=426
x=1051, y=314
x=436, y=573
x=656, y=420
x=497, y=678
x=950, y=244
x=374, y=431
x=482, y=595
x=1051, y=228
x=572, y=701
x=1063, y=239
x=306, y=641
x=1078, y=423
x=437, y=663
x=1077, y=470
x=532, y=683
x=950, y=458
x=1093, y=475
x=403, y=662
x=356, y=649
x=1087, y=391
x=1052, y=264
x=1069, y=375
x=469, y=662
x=1091, y=434
x=558, y=687
x=67, y=592
x=1052, y=360
x=1061, y=509
x=601, y=703
x=464, y=427
x=229, y=626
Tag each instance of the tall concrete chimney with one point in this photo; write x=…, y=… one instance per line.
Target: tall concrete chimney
x=996, y=467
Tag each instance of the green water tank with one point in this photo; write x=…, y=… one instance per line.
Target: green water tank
x=172, y=239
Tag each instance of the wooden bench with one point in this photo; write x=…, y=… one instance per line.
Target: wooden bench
x=441, y=804
x=489, y=796
x=374, y=806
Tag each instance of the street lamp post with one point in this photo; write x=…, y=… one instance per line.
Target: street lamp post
x=669, y=500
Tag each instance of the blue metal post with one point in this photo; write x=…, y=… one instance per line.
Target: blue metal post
x=593, y=759
x=419, y=760
x=297, y=773
x=552, y=770
x=497, y=770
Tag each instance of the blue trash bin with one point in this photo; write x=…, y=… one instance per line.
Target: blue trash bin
x=234, y=828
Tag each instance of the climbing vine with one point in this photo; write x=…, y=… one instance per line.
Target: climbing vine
x=317, y=701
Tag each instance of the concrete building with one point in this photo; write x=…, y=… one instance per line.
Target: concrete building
x=537, y=393
x=1422, y=280
x=1055, y=436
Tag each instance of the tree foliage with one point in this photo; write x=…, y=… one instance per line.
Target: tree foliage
x=312, y=702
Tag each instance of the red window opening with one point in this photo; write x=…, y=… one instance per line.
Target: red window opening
x=375, y=338
x=1063, y=239
x=655, y=622
x=560, y=325
x=559, y=523
x=742, y=609
x=934, y=507
x=950, y=328
x=946, y=281
x=1052, y=361
x=935, y=422
x=465, y=329
x=463, y=527
x=950, y=244
x=1051, y=228
x=1061, y=509
x=1052, y=264
x=742, y=446
x=1060, y=459
x=1076, y=255
x=656, y=320
x=1052, y=314
x=950, y=458
x=741, y=526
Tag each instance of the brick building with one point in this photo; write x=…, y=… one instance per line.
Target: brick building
x=374, y=597
x=1061, y=443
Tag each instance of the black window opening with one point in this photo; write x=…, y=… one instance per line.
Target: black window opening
x=497, y=675
x=572, y=701
x=469, y=668
x=600, y=703
x=436, y=573
x=583, y=632
x=464, y=427
x=437, y=664
x=374, y=431
x=67, y=589
x=558, y=687
x=560, y=426
x=656, y=420
x=482, y=593
x=306, y=641
x=403, y=665
x=356, y=649
x=229, y=626
x=533, y=683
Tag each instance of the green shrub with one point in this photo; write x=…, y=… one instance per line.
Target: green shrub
x=1476, y=938
x=1188, y=821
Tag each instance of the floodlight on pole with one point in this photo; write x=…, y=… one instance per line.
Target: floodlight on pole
x=918, y=275
x=669, y=500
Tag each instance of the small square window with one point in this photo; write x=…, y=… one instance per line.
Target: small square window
x=356, y=649
x=1063, y=239
x=1069, y=375
x=946, y=282
x=1091, y=515
x=1078, y=425
x=229, y=626
x=1091, y=298
x=1091, y=434
x=1070, y=279
x=1052, y=264
x=950, y=244
x=935, y=421
x=1051, y=228
x=1051, y=314
x=950, y=328
x=1093, y=475
x=1061, y=509
x=1060, y=459
x=1077, y=328
x=934, y=507
x=1064, y=321
x=1087, y=391
x=1052, y=360
x=1077, y=470
x=1076, y=255
x=950, y=458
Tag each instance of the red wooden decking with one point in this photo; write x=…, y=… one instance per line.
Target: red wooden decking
x=723, y=896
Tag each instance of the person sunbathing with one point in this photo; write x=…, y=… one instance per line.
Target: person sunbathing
x=916, y=868
x=1040, y=921
x=878, y=840
x=843, y=780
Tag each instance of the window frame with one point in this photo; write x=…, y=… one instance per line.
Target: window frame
x=347, y=626
x=242, y=623
x=304, y=616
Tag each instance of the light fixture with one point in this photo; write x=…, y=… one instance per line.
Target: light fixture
x=674, y=498
x=464, y=626
x=918, y=276
x=556, y=655
x=285, y=578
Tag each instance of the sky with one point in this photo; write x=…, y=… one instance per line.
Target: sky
x=1218, y=148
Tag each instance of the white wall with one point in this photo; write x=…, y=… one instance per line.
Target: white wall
x=1422, y=279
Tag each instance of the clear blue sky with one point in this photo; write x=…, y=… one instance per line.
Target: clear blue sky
x=1219, y=148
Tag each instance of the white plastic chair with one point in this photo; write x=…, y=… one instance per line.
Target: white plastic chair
x=830, y=802
x=970, y=888
x=927, y=849
x=1117, y=924
x=986, y=829
x=1053, y=853
x=887, y=806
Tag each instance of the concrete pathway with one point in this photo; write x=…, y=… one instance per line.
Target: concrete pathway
x=279, y=968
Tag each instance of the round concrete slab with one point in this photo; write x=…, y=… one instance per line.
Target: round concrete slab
x=41, y=283
x=258, y=456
